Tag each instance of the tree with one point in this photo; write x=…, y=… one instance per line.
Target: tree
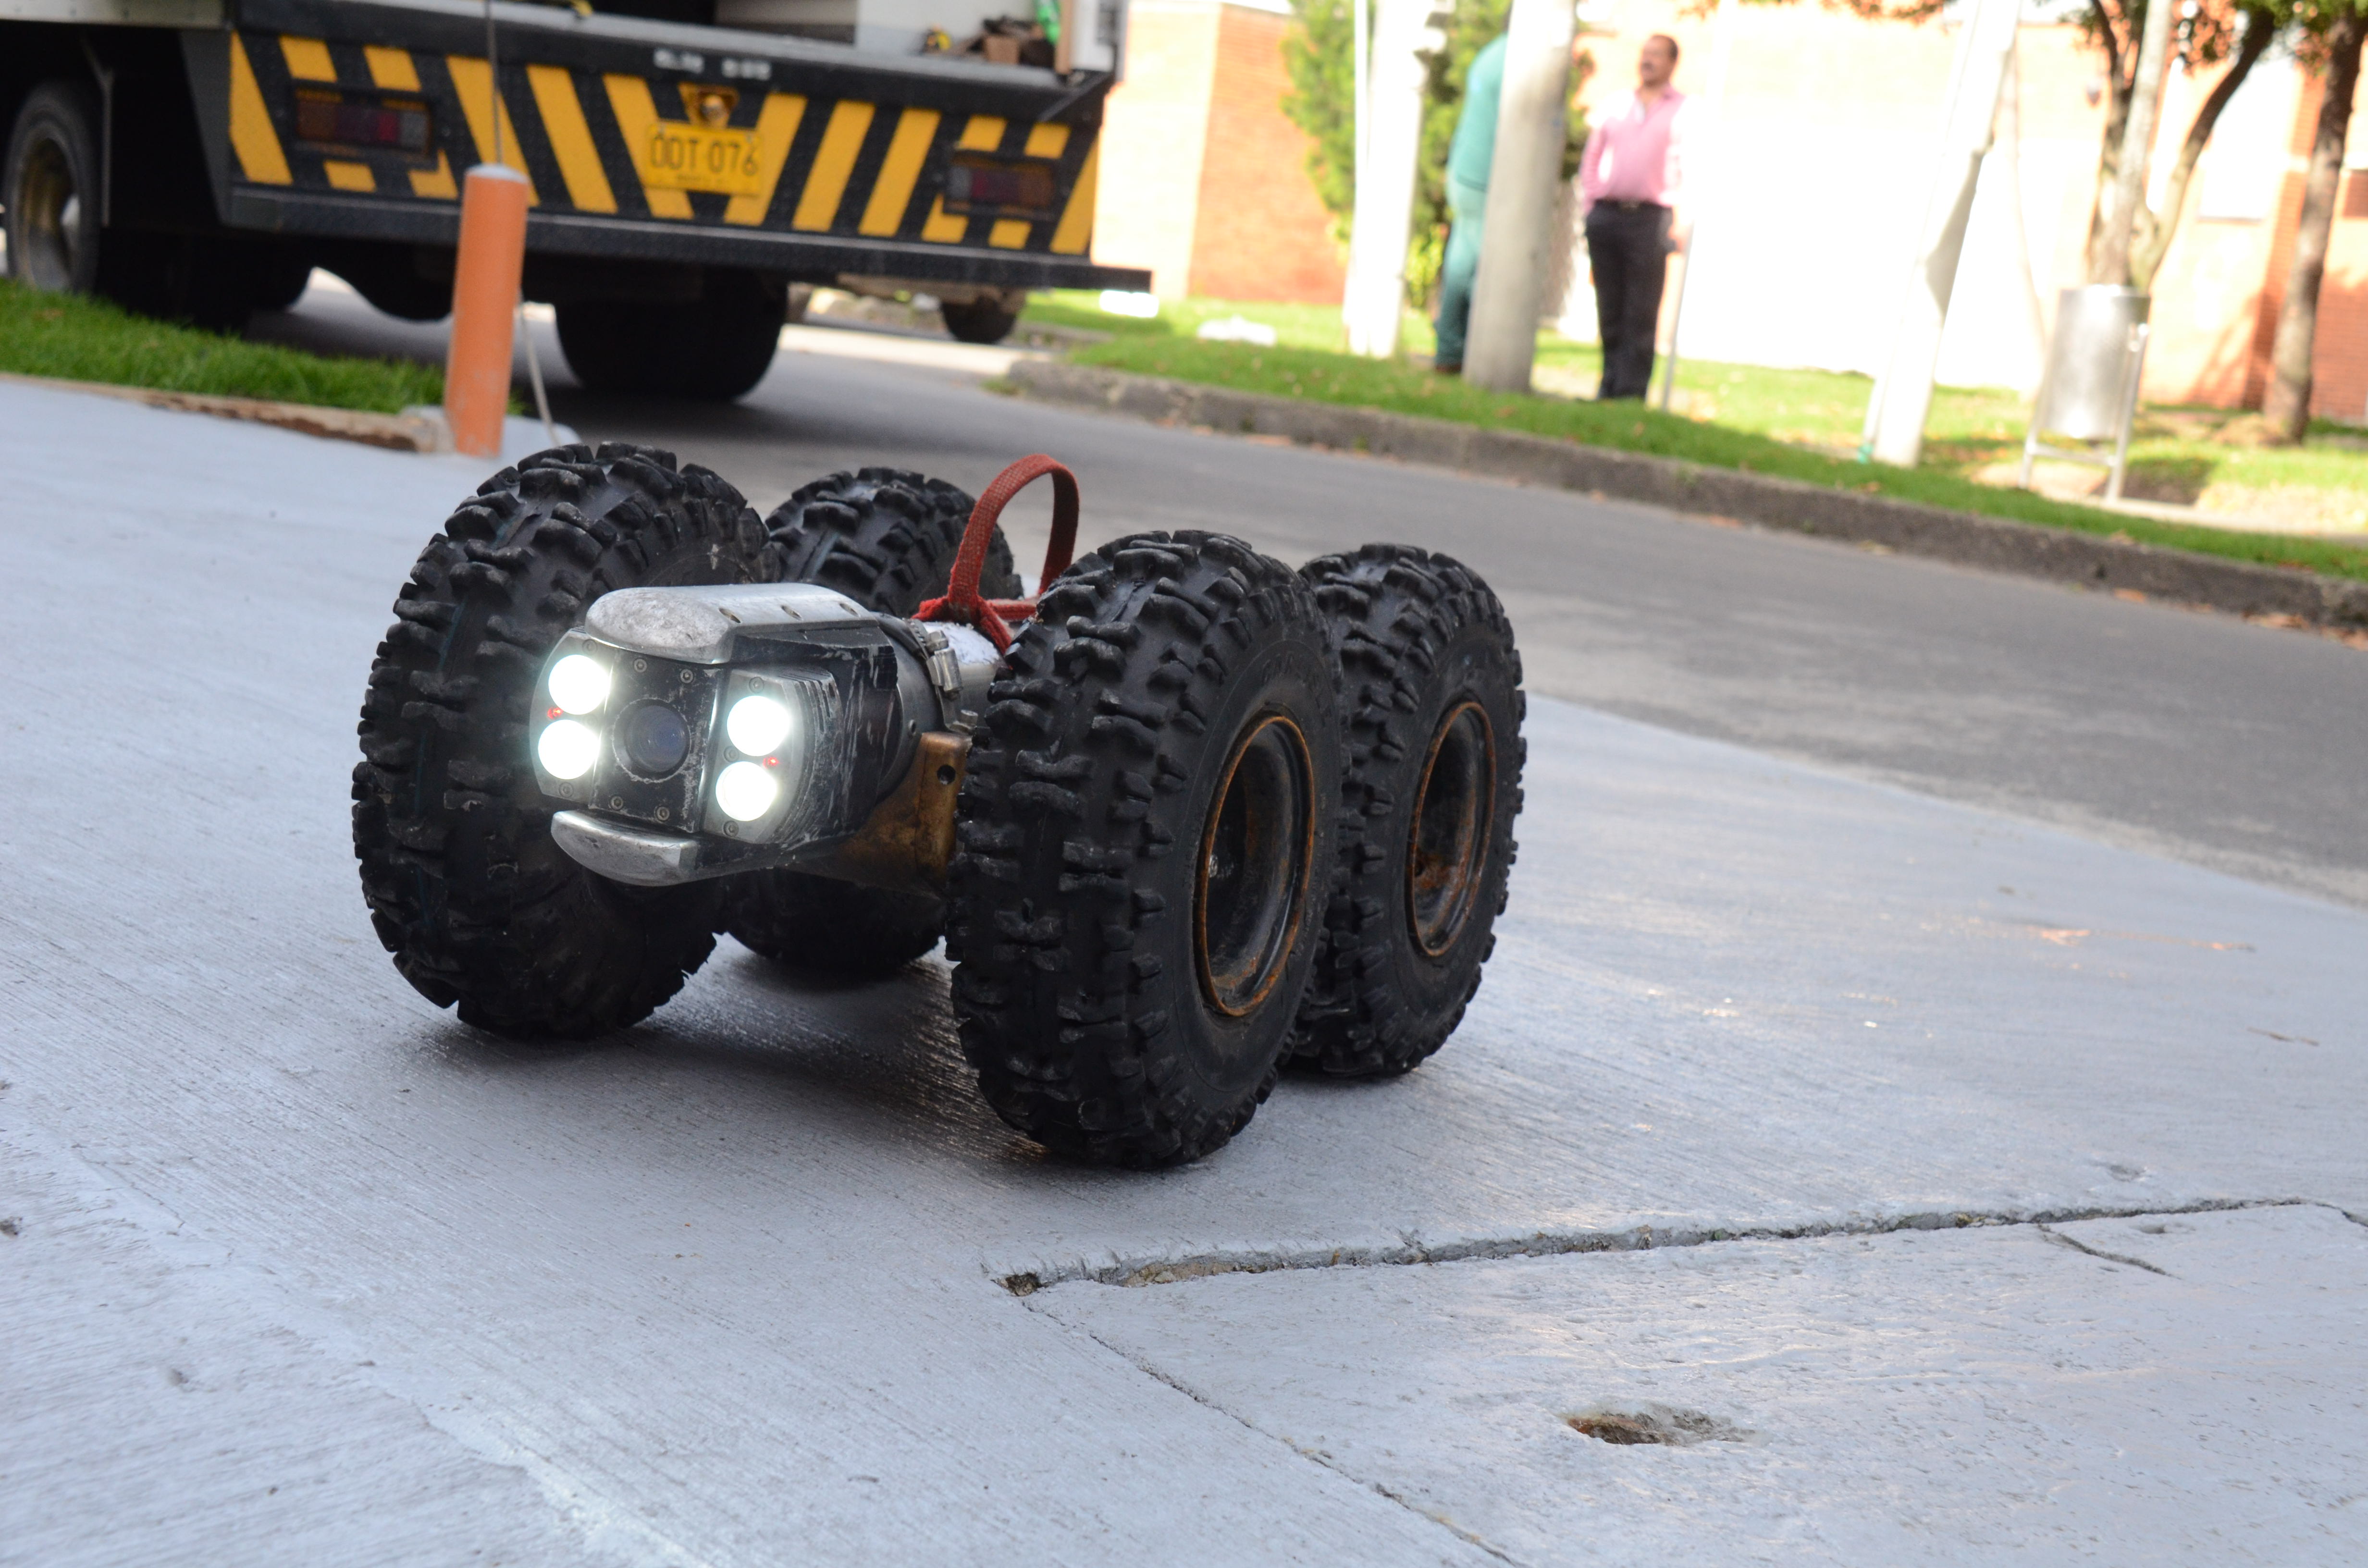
x=1319, y=55
x=2199, y=40
x=2201, y=34
x=2117, y=205
x=2338, y=28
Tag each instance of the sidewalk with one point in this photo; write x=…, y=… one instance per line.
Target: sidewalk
x=301, y=1268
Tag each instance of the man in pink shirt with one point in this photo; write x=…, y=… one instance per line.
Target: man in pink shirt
x=1630, y=178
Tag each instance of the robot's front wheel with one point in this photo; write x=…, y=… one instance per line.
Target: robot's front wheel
x=1144, y=850
x=465, y=886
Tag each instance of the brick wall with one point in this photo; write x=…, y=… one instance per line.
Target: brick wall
x=1262, y=234
x=1153, y=134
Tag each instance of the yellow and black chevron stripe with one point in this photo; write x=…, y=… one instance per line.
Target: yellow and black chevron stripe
x=590, y=143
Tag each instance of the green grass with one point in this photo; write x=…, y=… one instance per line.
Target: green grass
x=1331, y=377
x=1296, y=326
x=82, y=339
x=2177, y=456
x=2173, y=453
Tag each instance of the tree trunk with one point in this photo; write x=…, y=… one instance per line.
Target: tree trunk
x=2111, y=261
x=2155, y=229
x=2109, y=144
x=2286, y=410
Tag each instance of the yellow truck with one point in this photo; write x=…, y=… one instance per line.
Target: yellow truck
x=689, y=160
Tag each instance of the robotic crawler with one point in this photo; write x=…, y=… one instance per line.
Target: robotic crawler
x=1188, y=817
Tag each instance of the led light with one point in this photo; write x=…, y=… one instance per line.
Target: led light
x=745, y=791
x=567, y=749
x=757, y=725
x=579, y=684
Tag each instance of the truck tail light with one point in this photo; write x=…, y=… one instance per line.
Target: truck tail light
x=340, y=120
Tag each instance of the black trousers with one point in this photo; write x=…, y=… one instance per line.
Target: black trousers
x=1628, y=250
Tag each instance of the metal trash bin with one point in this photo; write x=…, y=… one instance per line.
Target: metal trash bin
x=2095, y=361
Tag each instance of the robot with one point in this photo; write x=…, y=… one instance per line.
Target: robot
x=1186, y=819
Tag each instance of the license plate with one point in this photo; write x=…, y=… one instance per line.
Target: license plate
x=695, y=157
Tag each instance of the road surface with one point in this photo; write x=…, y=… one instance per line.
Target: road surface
x=1748, y=1135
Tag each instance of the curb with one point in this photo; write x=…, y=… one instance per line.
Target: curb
x=413, y=430
x=1910, y=528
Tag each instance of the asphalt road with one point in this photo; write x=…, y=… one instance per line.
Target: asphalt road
x=2230, y=745
x=296, y=1269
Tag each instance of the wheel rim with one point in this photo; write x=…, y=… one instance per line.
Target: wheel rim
x=50, y=223
x=1255, y=854
x=1454, y=811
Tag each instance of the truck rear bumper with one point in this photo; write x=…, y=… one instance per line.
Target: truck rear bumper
x=816, y=256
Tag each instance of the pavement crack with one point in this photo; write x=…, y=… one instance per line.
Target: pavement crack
x=2060, y=1239
x=1407, y=1247
x=1324, y=1462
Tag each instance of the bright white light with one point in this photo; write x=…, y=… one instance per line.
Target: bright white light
x=746, y=790
x=579, y=684
x=568, y=749
x=1124, y=303
x=757, y=725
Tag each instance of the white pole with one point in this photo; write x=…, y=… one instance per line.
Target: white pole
x=2007, y=153
x=1701, y=157
x=1385, y=176
x=1902, y=393
x=1531, y=121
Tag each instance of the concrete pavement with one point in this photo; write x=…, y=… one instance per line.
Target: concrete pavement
x=729, y=1287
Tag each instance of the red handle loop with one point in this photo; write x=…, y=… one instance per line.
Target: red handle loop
x=963, y=601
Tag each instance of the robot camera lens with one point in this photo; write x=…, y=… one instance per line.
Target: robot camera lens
x=654, y=740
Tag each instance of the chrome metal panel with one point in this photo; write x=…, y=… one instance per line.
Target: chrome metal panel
x=696, y=625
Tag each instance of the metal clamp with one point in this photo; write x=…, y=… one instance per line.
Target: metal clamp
x=945, y=676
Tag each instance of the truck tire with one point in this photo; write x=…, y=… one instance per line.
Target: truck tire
x=1142, y=850
x=983, y=320
x=50, y=190
x=394, y=287
x=712, y=349
x=887, y=540
x=1431, y=703
x=281, y=277
x=465, y=886
x=208, y=281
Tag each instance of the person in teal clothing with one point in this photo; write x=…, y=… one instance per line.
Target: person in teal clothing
x=1468, y=157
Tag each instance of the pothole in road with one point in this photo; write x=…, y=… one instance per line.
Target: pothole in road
x=1660, y=1423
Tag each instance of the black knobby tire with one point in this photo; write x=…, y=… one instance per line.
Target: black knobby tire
x=1124, y=991
x=712, y=349
x=887, y=540
x=885, y=537
x=465, y=886
x=51, y=188
x=1431, y=704
x=983, y=320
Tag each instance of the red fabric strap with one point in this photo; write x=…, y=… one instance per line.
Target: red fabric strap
x=962, y=602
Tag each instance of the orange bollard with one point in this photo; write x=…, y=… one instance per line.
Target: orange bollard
x=484, y=307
